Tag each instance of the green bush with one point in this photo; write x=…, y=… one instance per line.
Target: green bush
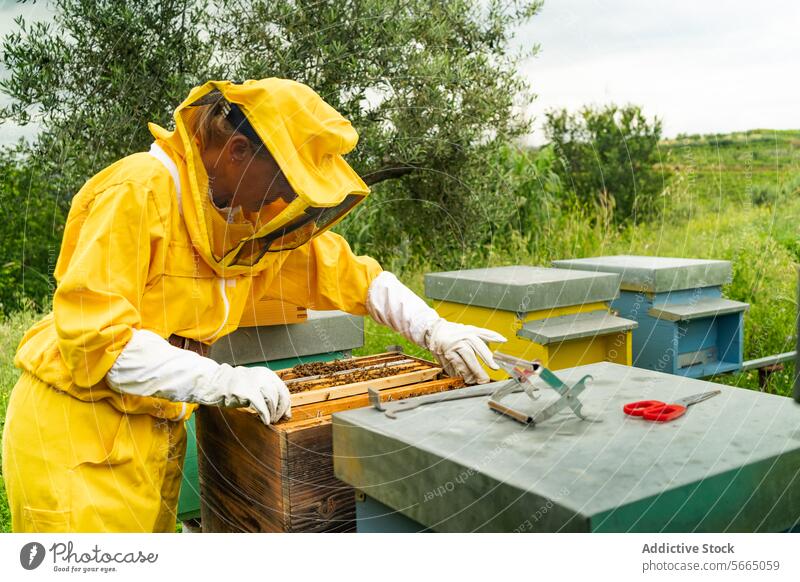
x=432, y=87
x=507, y=197
x=608, y=157
x=765, y=194
x=770, y=194
x=31, y=225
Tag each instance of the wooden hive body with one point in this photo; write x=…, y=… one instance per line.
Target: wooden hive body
x=686, y=327
x=322, y=336
x=561, y=317
x=279, y=478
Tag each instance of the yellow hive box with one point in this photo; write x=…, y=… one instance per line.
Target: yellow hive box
x=546, y=314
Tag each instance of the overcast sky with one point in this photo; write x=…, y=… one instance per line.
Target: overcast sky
x=9, y=10
x=702, y=66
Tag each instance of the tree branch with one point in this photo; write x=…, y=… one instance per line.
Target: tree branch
x=387, y=173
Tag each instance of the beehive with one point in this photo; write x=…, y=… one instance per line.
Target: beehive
x=559, y=316
x=279, y=478
x=323, y=336
x=458, y=467
x=686, y=326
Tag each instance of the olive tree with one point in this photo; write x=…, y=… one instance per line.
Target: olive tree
x=431, y=86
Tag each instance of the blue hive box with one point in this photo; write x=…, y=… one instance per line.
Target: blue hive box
x=686, y=326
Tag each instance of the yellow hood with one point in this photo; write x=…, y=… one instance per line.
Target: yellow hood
x=307, y=138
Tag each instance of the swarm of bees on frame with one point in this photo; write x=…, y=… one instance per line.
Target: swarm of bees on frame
x=331, y=373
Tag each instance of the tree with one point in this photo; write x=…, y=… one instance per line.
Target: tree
x=608, y=156
x=432, y=88
x=31, y=224
x=94, y=76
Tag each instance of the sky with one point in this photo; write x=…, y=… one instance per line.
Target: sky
x=701, y=66
x=9, y=10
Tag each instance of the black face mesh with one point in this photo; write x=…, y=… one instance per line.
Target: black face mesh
x=312, y=222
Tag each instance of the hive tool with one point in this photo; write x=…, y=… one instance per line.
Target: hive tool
x=521, y=371
x=517, y=383
x=391, y=408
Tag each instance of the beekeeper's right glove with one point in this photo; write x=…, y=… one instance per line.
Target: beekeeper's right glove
x=150, y=366
x=457, y=347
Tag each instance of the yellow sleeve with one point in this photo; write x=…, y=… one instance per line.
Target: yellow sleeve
x=101, y=275
x=325, y=274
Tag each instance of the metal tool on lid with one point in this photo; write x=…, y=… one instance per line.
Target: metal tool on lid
x=522, y=371
x=392, y=408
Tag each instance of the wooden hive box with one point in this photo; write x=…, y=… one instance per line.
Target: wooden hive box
x=279, y=478
x=686, y=327
x=272, y=312
x=560, y=317
x=323, y=336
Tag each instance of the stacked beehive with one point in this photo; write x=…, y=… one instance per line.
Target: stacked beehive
x=558, y=316
x=686, y=326
x=259, y=478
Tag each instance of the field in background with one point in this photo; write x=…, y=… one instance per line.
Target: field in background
x=732, y=197
x=735, y=197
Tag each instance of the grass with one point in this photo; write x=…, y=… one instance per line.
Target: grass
x=11, y=331
x=735, y=197
x=764, y=272
x=731, y=197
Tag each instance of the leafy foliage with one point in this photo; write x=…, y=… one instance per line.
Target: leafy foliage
x=95, y=75
x=31, y=221
x=432, y=88
x=608, y=157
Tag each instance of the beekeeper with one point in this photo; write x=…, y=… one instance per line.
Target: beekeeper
x=161, y=253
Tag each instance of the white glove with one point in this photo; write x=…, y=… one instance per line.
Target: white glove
x=150, y=366
x=454, y=345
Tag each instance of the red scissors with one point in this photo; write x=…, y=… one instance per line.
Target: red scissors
x=658, y=411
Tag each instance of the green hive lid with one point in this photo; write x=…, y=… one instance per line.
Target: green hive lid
x=552, y=330
x=323, y=332
x=656, y=274
x=520, y=288
x=701, y=472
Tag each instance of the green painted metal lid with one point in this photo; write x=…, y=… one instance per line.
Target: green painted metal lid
x=521, y=288
x=458, y=466
x=705, y=307
x=323, y=332
x=656, y=274
x=552, y=330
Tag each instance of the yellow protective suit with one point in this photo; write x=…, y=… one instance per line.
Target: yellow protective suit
x=78, y=456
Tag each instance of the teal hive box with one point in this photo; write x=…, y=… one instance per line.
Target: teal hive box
x=729, y=464
x=324, y=336
x=686, y=327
